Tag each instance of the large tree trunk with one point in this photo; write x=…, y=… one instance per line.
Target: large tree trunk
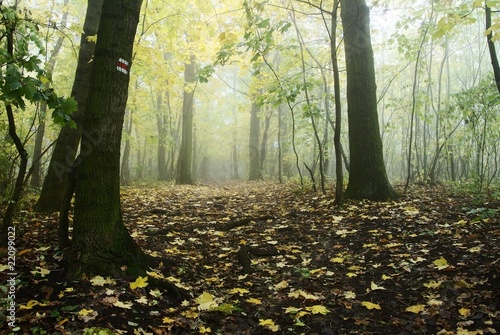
x=339, y=173
x=36, y=177
x=253, y=144
x=367, y=175
x=491, y=48
x=184, y=164
x=55, y=182
x=101, y=243
x=162, y=138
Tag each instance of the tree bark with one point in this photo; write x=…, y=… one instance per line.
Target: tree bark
x=162, y=138
x=125, y=176
x=184, y=164
x=54, y=184
x=367, y=177
x=101, y=243
x=339, y=173
x=491, y=48
x=36, y=177
x=253, y=143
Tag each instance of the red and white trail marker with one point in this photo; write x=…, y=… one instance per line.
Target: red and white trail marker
x=122, y=66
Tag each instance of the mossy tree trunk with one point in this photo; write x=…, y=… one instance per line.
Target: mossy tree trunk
x=367, y=174
x=101, y=243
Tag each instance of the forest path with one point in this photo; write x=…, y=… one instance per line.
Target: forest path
x=261, y=258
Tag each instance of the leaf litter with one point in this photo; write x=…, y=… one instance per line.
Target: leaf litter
x=262, y=258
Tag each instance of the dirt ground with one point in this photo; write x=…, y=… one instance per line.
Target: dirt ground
x=264, y=258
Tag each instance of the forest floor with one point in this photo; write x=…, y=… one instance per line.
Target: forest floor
x=264, y=258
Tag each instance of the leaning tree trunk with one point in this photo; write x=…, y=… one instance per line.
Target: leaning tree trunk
x=55, y=182
x=101, y=243
x=367, y=175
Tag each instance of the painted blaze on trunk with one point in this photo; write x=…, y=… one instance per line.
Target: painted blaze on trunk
x=367, y=174
x=101, y=243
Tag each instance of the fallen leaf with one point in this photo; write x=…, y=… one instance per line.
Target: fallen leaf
x=204, y=329
x=281, y=285
x=415, y=308
x=269, y=324
x=464, y=312
x=167, y=320
x=292, y=310
x=303, y=294
x=206, y=301
x=337, y=260
x=100, y=281
x=31, y=304
x=85, y=312
x=41, y=271
x=432, y=284
x=441, y=263
x=254, y=301
x=374, y=287
x=190, y=314
x=370, y=305
x=239, y=291
x=125, y=305
x=318, y=309
x=22, y=252
x=140, y=282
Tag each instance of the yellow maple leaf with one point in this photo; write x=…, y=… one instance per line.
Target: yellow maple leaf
x=415, y=308
x=254, y=301
x=304, y=294
x=41, y=271
x=85, y=312
x=462, y=331
x=441, y=263
x=464, y=312
x=318, y=309
x=190, y=314
x=432, y=284
x=282, y=284
x=337, y=260
x=142, y=300
x=168, y=320
x=31, y=304
x=154, y=274
x=269, y=324
x=206, y=301
x=98, y=281
x=204, y=329
x=239, y=291
x=434, y=302
x=349, y=295
x=140, y=282
x=125, y=305
x=370, y=305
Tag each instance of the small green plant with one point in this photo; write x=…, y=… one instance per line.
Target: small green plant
x=482, y=213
